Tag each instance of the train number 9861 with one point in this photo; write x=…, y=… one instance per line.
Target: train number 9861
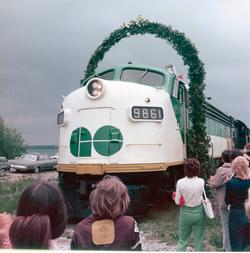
x=147, y=113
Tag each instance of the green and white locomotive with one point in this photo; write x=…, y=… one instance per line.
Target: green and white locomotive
x=132, y=121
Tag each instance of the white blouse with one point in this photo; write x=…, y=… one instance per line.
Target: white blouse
x=191, y=189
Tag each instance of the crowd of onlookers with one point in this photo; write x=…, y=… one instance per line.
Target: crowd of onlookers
x=41, y=212
x=231, y=183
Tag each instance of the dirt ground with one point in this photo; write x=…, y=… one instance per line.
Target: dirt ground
x=63, y=242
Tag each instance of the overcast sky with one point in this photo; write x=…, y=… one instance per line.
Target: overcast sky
x=45, y=46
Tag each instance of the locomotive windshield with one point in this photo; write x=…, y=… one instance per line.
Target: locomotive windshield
x=108, y=75
x=143, y=76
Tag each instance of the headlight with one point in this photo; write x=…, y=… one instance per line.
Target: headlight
x=94, y=88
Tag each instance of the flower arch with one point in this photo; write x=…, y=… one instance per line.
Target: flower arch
x=199, y=141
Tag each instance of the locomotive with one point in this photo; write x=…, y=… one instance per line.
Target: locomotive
x=132, y=121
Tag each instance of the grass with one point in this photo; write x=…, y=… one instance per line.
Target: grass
x=10, y=193
x=12, y=186
x=163, y=222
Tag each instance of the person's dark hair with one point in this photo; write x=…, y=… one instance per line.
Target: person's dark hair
x=44, y=198
x=192, y=167
x=226, y=154
x=234, y=153
x=31, y=232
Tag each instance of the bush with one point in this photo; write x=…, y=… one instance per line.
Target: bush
x=11, y=141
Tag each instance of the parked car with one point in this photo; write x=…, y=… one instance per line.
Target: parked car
x=4, y=165
x=34, y=162
x=55, y=156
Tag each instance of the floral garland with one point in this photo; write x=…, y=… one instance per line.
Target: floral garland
x=198, y=139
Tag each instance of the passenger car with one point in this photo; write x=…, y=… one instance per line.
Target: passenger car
x=33, y=162
x=4, y=165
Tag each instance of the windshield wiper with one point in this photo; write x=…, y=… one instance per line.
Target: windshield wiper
x=143, y=74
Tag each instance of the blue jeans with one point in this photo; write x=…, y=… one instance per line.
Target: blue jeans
x=237, y=223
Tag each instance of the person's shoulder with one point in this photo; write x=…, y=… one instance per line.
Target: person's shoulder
x=227, y=165
x=125, y=219
x=86, y=221
x=182, y=180
x=84, y=226
x=222, y=168
x=231, y=181
x=201, y=180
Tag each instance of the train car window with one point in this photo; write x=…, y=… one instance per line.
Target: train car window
x=143, y=76
x=181, y=94
x=109, y=75
x=176, y=88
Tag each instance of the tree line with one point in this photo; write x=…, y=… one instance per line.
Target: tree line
x=12, y=143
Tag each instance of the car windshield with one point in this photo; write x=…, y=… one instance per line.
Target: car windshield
x=29, y=157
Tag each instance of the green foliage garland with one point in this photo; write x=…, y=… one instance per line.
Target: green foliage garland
x=199, y=141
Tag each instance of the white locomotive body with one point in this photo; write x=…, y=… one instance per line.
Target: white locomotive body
x=131, y=121
x=131, y=141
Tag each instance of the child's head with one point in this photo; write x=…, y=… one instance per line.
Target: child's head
x=110, y=198
x=32, y=232
x=44, y=198
x=5, y=222
x=42, y=204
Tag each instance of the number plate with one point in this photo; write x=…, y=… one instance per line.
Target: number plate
x=147, y=113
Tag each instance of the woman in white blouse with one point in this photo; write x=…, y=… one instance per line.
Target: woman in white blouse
x=192, y=217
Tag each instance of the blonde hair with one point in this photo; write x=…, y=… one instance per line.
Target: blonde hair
x=109, y=198
x=240, y=167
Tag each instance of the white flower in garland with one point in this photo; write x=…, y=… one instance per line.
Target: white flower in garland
x=140, y=19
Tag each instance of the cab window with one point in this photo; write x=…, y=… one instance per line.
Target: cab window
x=109, y=75
x=143, y=76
